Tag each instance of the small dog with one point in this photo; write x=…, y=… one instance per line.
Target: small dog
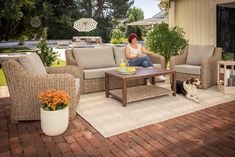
x=188, y=88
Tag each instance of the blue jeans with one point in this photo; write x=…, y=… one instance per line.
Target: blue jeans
x=143, y=61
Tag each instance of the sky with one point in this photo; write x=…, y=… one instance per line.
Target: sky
x=149, y=7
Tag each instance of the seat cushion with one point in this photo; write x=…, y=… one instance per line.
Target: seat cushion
x=188, y=69
x=97, y=73
x=119, y=53
x=198, y=52
x=91, y=58
x=32, y=63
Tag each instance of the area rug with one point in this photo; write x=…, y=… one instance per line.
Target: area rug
x=109, y=118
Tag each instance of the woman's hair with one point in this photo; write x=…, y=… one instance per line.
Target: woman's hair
x=132, y=36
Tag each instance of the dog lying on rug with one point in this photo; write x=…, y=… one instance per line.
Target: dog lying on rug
x=188, y=88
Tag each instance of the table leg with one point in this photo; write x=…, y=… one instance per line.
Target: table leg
x=145, y=81
x=106, y=85
x=153, y=80
x=173, y=84
x=124, y=92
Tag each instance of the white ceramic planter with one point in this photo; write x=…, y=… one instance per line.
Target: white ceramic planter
x=54, y=123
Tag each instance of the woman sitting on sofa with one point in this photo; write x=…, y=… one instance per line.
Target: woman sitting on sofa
x=136, y=54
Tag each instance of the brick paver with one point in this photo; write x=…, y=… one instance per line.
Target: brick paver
x=206, y=133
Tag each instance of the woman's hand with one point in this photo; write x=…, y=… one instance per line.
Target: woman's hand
x=138, y=55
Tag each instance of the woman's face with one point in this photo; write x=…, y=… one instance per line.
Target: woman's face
x=134, y=41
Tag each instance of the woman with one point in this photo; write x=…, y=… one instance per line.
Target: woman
x=136, y=54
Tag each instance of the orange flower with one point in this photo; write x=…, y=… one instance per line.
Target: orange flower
x=54, y=99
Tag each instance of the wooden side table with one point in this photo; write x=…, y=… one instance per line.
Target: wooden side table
x=226, y=76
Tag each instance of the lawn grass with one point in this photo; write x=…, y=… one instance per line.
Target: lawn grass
x=3, y=80
x=14, y=50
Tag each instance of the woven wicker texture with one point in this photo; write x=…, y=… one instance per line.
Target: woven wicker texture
x=208, y=74
x=142, y=92
x=95, y=85
x=24, y=88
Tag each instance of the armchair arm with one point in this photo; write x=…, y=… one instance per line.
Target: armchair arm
x=70, y=58
x=209, y=69
x=71, y=61
x=178, y=59
x=54, y=81
x=156, y=58
x=69, y=69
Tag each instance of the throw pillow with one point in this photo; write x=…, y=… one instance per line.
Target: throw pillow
x=198, y=52
x=32, y=63
x=90, y=58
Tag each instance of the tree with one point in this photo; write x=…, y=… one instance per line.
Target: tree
x=10, y=16
x=16, y=15
x=59, y=16
x=46, y=53
x=104, y=12
x=134, y=14
x=166, y=41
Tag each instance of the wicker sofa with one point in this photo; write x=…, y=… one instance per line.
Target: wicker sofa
x=198, y=61
x=94, y=62
x=24, y=86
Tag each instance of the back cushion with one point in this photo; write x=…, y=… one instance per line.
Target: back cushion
x=198, y=52
x=119, y=53
x=32, y=63
x=90, y=58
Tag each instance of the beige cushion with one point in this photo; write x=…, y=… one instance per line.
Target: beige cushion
x=198, y=52
x=77, y=83
x=32, y=63
x=188, y=69
x=119, y=53
x=90, y=58
x=97, y=73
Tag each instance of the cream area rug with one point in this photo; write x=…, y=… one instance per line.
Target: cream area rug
x=109, y=118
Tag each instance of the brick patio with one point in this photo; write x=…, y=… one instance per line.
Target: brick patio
x=205, y=133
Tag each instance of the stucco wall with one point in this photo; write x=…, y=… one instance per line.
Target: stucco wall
x=197, y=18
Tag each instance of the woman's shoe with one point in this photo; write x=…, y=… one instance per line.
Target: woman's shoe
x=148, y=82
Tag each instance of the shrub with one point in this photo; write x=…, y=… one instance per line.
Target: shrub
x=46, y=53
x=166, y=41
x=228, y=56
x=117, y=36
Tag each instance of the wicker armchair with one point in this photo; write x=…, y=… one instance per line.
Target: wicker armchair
x=25, y=86
x=207, y=71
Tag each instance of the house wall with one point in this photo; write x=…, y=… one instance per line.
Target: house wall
x=197, y=18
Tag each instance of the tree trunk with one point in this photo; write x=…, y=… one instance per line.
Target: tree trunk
x=89, y=8
x=99, y=10
x=167, y=62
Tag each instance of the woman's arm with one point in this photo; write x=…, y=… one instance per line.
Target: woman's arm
x=128, y=55
x=145, y=51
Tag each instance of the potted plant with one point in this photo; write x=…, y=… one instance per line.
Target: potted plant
x=166, y=41
x=45, y=52
x=54, y=111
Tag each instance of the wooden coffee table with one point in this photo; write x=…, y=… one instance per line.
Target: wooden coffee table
x=137, y=93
